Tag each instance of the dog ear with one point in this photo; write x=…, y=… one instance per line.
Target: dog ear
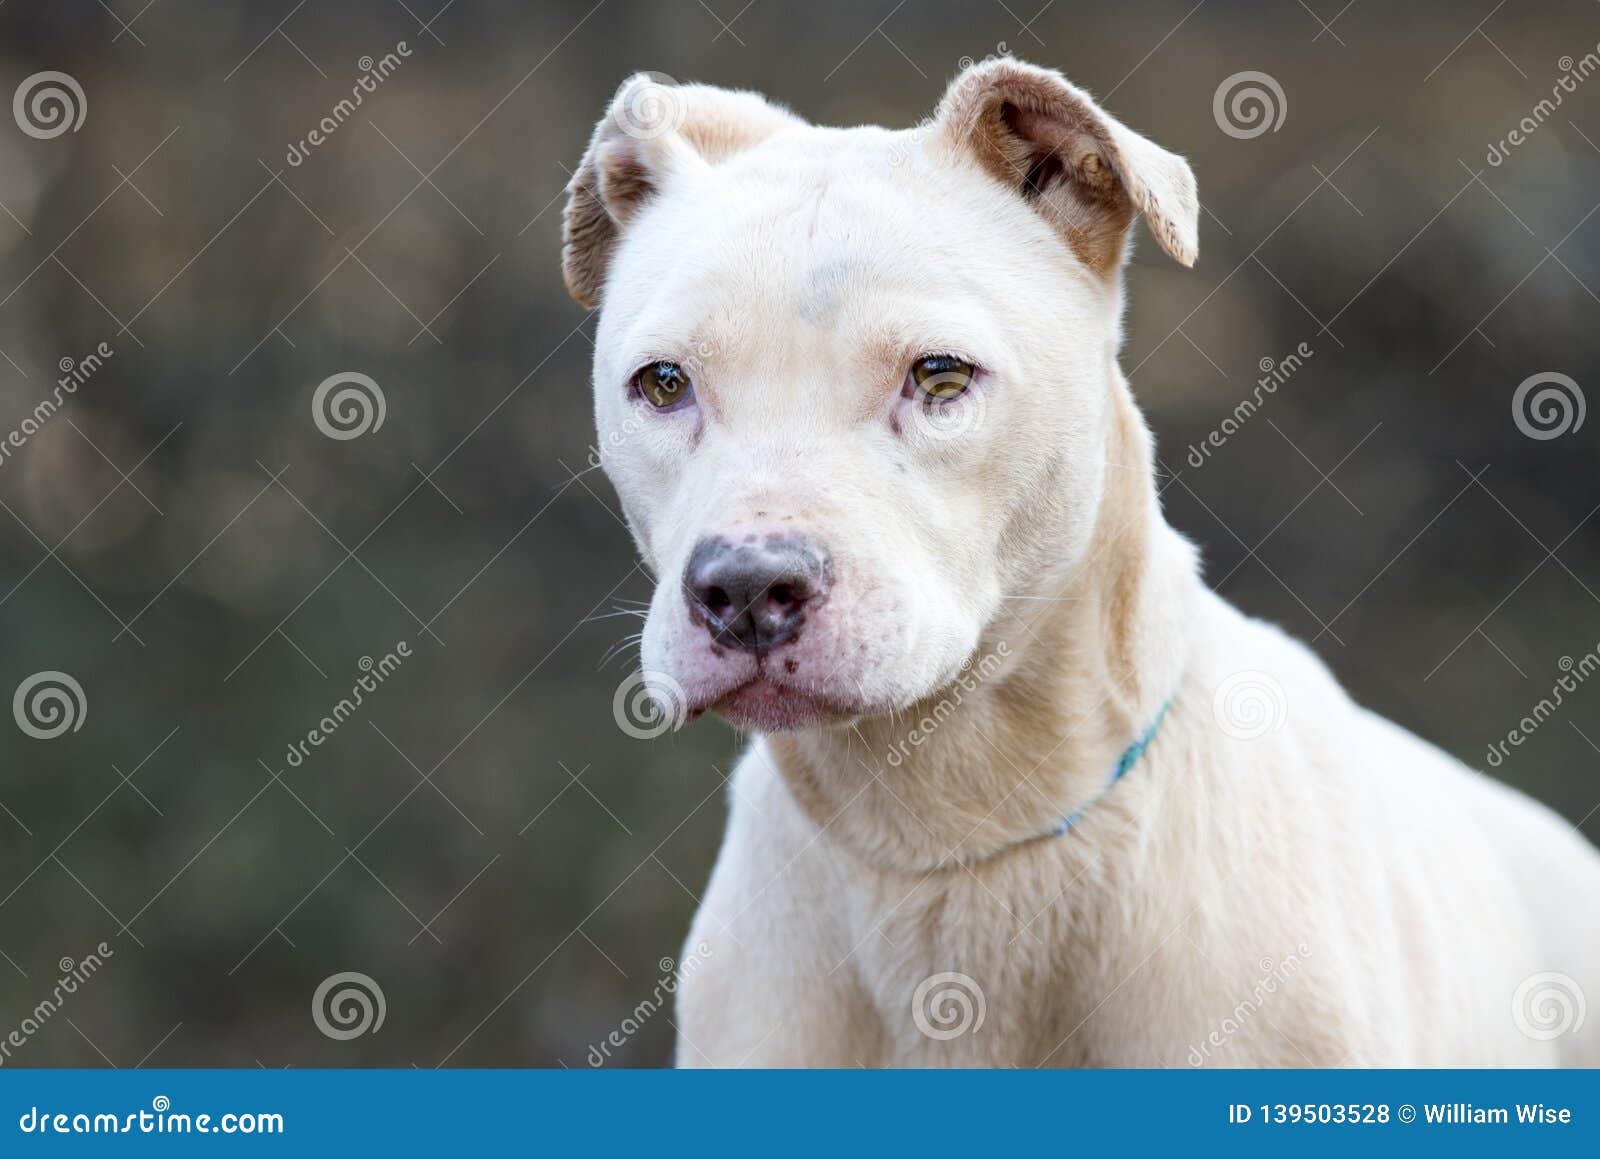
x=652, y=128
x=1085, y=172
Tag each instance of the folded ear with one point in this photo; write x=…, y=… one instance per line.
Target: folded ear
x=1085, y=172
x=652, y=128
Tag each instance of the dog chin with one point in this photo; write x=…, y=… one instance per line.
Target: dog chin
x=760, y=705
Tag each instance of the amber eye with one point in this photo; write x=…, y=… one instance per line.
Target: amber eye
x=939, y=378
x=664, y=385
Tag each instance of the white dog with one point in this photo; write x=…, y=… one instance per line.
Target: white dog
x=1027, y=792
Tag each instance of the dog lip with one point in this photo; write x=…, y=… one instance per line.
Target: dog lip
x=772, y=706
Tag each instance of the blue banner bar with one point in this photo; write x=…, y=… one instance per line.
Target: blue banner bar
x=822, y=1113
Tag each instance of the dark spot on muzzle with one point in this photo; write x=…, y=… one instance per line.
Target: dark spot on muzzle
x=754, y=595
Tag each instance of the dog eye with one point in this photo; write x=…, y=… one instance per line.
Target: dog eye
x=939, y=378
x=664, y=385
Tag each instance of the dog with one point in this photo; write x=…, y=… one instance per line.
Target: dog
x=1022, y=791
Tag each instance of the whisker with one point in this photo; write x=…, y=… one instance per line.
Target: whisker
x=619, y=648
x=611, y=615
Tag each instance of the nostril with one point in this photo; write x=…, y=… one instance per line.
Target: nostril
x=755, y=595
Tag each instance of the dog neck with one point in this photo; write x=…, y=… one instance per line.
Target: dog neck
x=1067, y=677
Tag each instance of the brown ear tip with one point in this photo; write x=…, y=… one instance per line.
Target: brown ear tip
x=1018, y=77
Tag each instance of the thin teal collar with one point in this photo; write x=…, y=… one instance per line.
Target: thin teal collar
x=1130, y=757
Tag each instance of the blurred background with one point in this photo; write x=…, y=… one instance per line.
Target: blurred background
x=181, y=539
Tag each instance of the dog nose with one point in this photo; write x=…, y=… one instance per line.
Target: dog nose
x=754, y=594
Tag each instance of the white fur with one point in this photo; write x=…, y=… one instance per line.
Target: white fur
x=797, y=271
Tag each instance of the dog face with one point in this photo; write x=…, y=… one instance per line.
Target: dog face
x=852, y=385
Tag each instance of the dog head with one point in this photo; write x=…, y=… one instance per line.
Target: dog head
x=853, y=385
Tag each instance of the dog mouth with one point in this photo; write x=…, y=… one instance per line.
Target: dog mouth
x=764, y=705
